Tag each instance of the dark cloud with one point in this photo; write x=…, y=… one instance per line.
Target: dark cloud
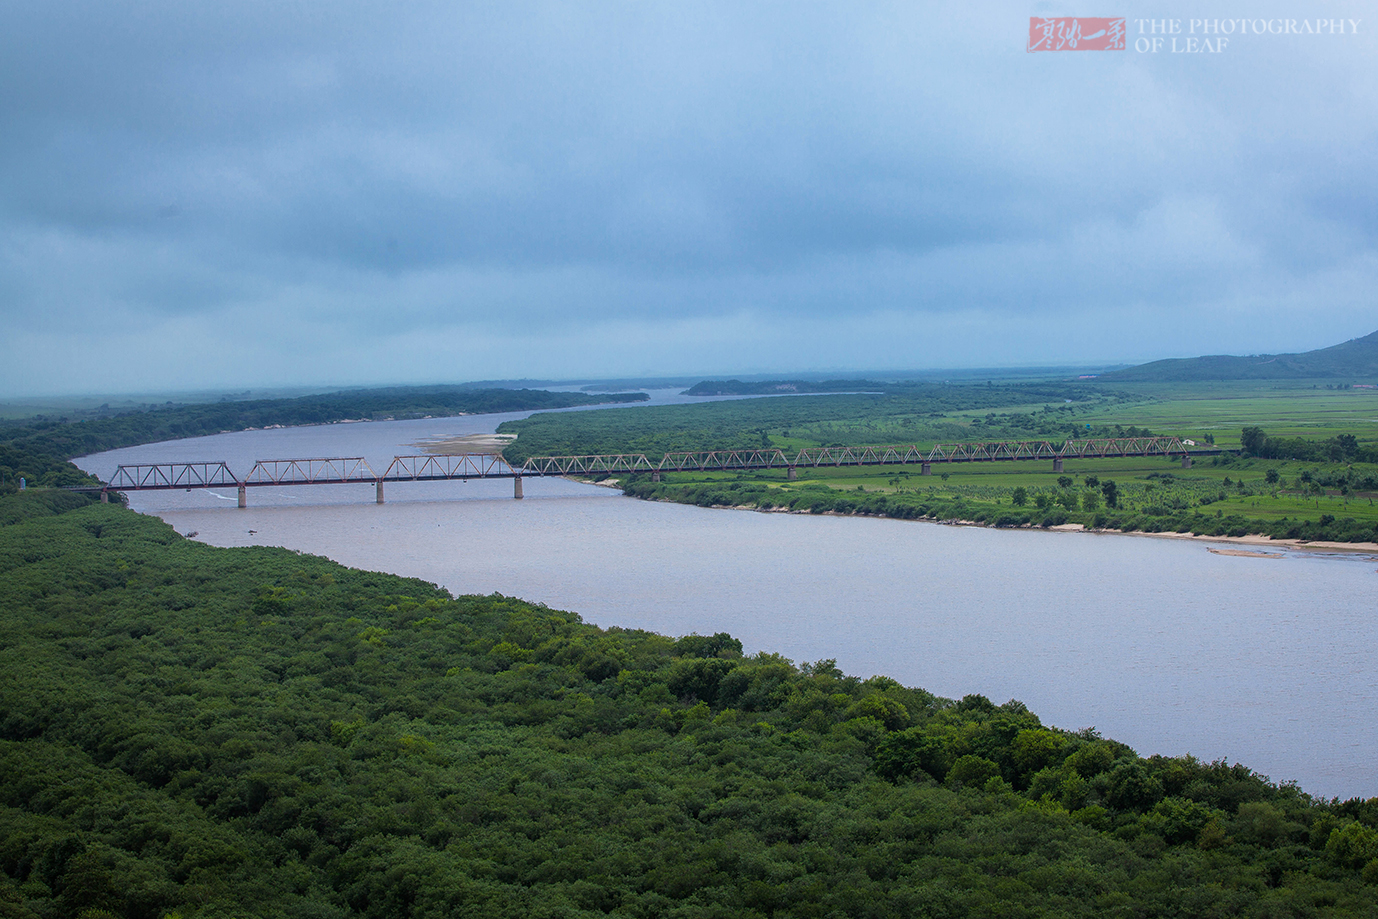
x=351, y=191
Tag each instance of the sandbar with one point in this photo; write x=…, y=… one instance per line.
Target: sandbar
x=466, y=443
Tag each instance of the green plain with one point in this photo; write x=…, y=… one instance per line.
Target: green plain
x=1150, y=490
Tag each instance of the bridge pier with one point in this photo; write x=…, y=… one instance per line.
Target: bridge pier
x=926, y=469
x=104, y=496
x=380, y=491
x=655, y=476
x=1057, y=465
x=243, y=496
x=517, y=487
x=1186, y=461
x=792, y=474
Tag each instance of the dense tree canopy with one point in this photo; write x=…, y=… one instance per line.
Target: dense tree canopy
x=1342, y=448
x=254, y=732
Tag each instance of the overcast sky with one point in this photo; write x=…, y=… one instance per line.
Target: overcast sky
x=249, y=194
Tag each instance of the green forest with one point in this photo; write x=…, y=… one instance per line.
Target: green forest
x=188, y=731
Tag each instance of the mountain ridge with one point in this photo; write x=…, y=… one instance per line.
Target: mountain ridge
x=1350, y=360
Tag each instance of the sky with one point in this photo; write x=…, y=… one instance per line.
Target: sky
x=248, y=194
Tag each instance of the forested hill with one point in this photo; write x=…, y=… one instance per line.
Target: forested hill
x=210, y=732
x=780, y=387
x=38, y=449
x=1354, y=361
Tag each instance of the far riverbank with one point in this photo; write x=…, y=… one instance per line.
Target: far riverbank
x=1069, y=507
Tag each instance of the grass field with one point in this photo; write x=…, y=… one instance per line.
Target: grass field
x=1234, y=488
x=1215, y=411
x=1222, y=409
x=1335, y=500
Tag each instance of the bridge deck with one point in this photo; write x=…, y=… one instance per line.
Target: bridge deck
x=436, y=468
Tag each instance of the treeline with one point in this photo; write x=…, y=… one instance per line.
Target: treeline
x=252, y=732
x=999, y=508
x=1343, y=448
x=1051, y=422
x=39, y=449
x=36, y=467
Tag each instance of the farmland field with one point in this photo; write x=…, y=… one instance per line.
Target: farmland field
x=1228, y=494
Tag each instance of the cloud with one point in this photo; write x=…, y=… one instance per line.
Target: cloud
x=308, y=188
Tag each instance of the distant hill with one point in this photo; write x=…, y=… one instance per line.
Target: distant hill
x=1353, y=361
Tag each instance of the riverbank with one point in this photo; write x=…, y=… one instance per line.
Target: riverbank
x=1319, y=545
x=1361, y=547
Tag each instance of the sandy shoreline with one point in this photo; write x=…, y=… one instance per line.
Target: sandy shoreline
x=1352, y=548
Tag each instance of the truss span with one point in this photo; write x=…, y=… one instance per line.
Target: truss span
x=440, y=467
x=596, y=464
x=433, y=468
x=910, y=454
x=141, y=477
x=315, y=471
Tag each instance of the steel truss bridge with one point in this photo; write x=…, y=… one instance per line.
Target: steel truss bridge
x=355, y=470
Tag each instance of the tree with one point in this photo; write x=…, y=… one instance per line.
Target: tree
x=1132, y=788
x=1252, y=441
x=909, y=752
x=887, y=711
x=720, y=645
x=1064, y=481
x=1353, y=845
x=1035, y=748
x=972, y=770
x=1111, y=492
x=1020, y=496
x=698, y=677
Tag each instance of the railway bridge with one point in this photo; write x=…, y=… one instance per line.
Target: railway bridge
x=356, y=470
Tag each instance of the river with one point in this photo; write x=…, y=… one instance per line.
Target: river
x=1159, y=643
